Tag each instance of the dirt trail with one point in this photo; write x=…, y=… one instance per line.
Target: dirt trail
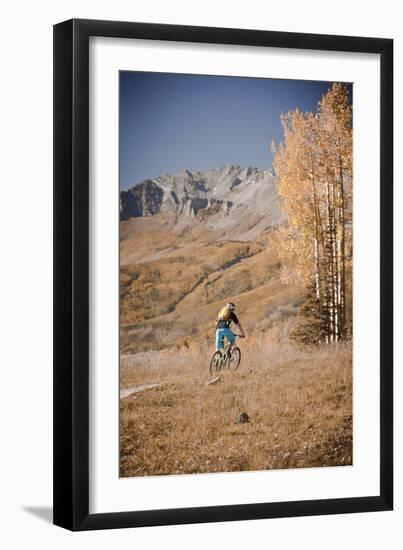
x=125, y=392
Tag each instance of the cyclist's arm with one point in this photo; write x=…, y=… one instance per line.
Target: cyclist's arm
x=239, y=326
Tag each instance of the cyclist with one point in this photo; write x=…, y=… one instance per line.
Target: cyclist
x=225, y=317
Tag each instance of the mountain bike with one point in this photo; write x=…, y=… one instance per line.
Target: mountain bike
x=230, y=356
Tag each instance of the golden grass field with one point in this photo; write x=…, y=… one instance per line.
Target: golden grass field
x=173, y=281
x=172, y=287
x=299, y=404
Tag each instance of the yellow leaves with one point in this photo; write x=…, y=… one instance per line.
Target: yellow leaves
x=295, y=257
x=316, y=148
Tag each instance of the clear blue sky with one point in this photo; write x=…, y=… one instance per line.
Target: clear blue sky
x=172, y=122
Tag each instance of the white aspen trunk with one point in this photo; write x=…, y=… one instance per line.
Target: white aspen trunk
x=335, y=292
x=340, y=265
x=342, y=249
x=335, y=266
x=329, y=246
x=315, y=241
x=317, y=272
x=339, y=278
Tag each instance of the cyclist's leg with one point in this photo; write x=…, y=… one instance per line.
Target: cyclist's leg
x=230, y=336
x=219, y=339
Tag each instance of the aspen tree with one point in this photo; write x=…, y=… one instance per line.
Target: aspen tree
x=313, y=166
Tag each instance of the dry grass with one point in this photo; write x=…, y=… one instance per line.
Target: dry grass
x=173, y=282
x=299, y=402
x=171, y=295
x=156, y=287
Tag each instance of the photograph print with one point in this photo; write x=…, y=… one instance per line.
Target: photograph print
x=236, y=266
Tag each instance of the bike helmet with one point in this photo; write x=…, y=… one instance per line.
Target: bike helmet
x=231, y=306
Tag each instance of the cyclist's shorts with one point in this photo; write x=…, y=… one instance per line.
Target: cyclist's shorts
x=222, y=333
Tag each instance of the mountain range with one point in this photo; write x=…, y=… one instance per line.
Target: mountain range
x=224, y=197
x=192, y=241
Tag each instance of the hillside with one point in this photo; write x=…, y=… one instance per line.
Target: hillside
x=179, y=265
x=180, y=261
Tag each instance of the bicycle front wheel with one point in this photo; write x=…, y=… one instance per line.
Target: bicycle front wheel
x=235, y=358
x=215, y=363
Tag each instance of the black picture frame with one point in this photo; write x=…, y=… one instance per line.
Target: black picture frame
x=71, y=274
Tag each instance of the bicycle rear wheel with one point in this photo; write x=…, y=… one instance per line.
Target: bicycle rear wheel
x=215, y=363
x=235, y=358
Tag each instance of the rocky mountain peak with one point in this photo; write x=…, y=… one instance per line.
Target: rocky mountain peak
x=211, y=195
